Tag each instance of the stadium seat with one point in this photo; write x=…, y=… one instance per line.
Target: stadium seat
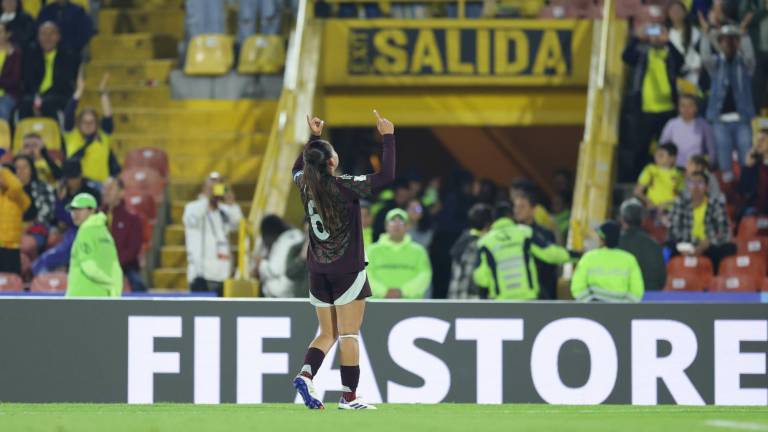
x=755, y=246
x=657, y=231
x=47, y=128
x=5, y=135
x=149, y=157
x=49, y=283
x=209, y=54
x=141, y=203
x=145, y=180
x=262, y=54
x=741, y=273
x=10, y=282
x=736, y=283
x=689, y=274
x=753, y=226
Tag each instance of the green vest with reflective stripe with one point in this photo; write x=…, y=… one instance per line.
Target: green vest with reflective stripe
x=507, y=268
x=607, y=274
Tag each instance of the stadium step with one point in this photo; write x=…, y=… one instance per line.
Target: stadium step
x=131, y=72
x=174, y=235
x=173, y=257
x=188, y=122
x=139, y=46
x=131, y=96
x=170, y=278
x=177, y=209
x=235, y=166
x=121, y=21
x=145, y=4
x=213, y=143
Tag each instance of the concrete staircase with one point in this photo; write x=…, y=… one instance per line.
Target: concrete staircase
x=137, y=44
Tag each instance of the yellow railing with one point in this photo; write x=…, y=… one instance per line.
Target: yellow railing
x=289, y=130
x=594, y=175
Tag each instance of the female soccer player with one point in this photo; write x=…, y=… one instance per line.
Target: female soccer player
x=338, y=284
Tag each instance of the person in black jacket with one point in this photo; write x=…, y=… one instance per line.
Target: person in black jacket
x=753, y=184
x=49, y=74
x=19, y=23
x=652, y=90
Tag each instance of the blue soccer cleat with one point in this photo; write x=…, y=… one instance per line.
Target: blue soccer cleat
x=306, y=390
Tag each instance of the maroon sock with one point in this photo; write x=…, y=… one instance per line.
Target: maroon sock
x=312, y=362
x=350, y=376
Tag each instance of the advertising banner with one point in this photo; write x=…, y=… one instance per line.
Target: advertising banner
x=248, y=351
x=451, y=52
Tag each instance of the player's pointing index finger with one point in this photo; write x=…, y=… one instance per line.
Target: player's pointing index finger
x=376, y=113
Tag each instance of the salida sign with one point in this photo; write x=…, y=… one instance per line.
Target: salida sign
x=440, y=52
x=648, y=367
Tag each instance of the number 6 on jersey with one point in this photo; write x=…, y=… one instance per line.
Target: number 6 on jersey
x=316, y=222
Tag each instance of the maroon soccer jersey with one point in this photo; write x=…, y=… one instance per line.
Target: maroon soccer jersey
x=339, y=249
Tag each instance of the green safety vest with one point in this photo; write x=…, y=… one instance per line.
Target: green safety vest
x=507, y=268
x=607, y=274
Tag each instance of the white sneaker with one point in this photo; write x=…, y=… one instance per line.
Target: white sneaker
x=356, y=404
x=306, y=390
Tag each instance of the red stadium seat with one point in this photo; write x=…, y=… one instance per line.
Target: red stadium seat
x=145, y=180
x=740, y=273
x=753, y=226
x=736, y=283
x=141, y=203
x=689, y=273
x=755, y=246
x=148, y=157
x=657, y=231
x=49, y=283
x=10, y=282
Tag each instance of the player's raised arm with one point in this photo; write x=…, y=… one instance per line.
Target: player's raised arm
x=316, y=127
x=387, y=174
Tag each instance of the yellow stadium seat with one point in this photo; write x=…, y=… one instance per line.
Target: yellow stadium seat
x=47, y=128
x=262, y=54
x=5, y=135
x=209, y=54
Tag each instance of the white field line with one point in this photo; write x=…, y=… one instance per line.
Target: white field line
x=731, y=424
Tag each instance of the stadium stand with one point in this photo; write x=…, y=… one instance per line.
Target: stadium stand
x=689, y=274
x=209, y=54
x=49, y=283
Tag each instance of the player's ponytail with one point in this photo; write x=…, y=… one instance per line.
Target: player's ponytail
x=318, y=180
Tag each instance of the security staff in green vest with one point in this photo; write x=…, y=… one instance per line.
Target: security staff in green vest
x=507, y=270
x=608, y=274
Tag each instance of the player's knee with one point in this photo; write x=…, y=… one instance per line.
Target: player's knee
x=346, y=338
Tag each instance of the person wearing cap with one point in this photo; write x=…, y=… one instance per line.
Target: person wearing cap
x=94, y=267
x=608, y=274
x=71, y=184
x=397, y=266
x=208, y=221
x=507, y=270
x=731, y=106
x=13, y=203
x=645, y=249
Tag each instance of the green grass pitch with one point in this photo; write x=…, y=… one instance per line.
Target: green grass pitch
x=389, y=418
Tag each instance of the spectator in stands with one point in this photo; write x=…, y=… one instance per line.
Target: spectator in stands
x=524, y=205
x=398, y=267
x=10, y=74
x=661, y=181
x=653, y=86
x=699, y=223
x=464, y=254
x=647, y=251
x=699, y=163
x=13, y=203
x=90, y=143
x=47, y=168
x=685, y=38
x=296, y=266
x=75, y=24
x=410, y=10
x=731, y=106
x=73, y=183
x=562, y=201
x=94, y=267
x=366, y=10
x=608, y=274
x=525, y=187
x=50, y=71
x=278, y=238
x=366, y=218
x=127, y=231
x=691, y=134
x=259, y=16
x=753, y=184
x=400, y=200
x=56, y=258
x=484, y=191
x=419, y=224
x=40, y=214
x=207, y=225
x=18, y=23
x=472, y=9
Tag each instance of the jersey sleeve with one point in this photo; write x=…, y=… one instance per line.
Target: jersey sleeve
x=364, y=186
x=645, y=176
